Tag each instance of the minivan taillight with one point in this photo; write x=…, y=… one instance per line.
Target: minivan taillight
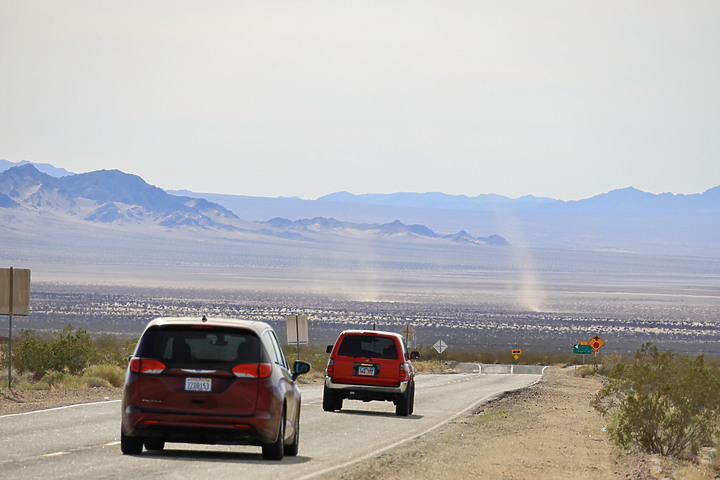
x=252, y=370
x=144, y=365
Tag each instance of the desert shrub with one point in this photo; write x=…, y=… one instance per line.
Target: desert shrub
x=661, y=402
x=53, y=378
x=69, y=350
x=3, y=355
x=111, y=350
x=111, y=375
x=57, y=380
x=585, y=371
x=95, y=382
x=31, y=385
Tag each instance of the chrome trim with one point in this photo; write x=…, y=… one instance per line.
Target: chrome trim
x=366, y=388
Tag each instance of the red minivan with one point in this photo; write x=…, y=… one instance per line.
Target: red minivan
x=211, y=381
x=370, y=365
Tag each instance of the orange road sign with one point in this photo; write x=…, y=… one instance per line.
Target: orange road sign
x=596, y=343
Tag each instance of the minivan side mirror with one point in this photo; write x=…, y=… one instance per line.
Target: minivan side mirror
x=415, y=355
x=300, y=367
x=328, y=349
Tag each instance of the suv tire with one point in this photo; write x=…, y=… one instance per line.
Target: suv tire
x=331, y=400
x=404, y=405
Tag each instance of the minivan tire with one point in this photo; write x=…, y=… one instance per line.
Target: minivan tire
x=291, y=449
x=130, y=445
x=154, y=444
x=276, y=449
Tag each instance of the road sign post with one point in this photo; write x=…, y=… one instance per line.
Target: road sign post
x=516, y=352
x=297, y=331
x=14, y=300
x=409, y=333
x=596, y=343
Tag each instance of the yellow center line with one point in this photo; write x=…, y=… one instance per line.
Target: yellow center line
x=55, y=454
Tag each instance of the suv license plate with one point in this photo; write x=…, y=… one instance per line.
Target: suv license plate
x=367, y=371
x=198, y=384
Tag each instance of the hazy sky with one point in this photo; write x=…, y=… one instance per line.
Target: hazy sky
x=558, y=98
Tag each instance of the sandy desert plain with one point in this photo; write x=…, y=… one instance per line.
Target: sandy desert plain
x=114, y=280
x=472, y=309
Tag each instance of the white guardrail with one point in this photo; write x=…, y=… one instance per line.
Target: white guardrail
x=499, y=369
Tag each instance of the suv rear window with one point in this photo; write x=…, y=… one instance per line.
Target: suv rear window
x=368, y=346
x=183, y=345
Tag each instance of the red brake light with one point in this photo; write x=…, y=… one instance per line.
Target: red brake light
x=330, y=368
x=252, y=370
x=143, y=365
x=403, y=372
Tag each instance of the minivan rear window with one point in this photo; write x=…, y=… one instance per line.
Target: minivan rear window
x=368, y=346
x=184, y=345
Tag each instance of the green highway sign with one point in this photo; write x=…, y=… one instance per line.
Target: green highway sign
x=583, y=349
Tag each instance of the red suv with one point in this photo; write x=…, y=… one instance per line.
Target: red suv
x=370, y=365
x=211, y=381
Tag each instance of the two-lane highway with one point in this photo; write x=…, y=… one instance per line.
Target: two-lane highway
x=83, y=441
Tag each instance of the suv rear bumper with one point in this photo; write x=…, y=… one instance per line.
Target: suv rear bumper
x=351, y=387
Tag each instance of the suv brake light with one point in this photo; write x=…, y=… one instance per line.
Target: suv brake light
x=330, y=368
x=143, y=365
x=252, y=370
x=403, y=372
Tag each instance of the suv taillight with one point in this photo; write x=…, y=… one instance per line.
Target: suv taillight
x=403, y=372
x=143, y=365
x=252, y=370
x=330, y=368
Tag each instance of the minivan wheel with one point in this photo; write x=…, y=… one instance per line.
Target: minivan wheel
x=276, y=450
x=154, y=444
x=130, y=445
x=291, y=449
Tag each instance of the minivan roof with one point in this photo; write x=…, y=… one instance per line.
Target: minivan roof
x=254, y=325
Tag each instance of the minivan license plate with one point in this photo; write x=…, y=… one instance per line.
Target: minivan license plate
x=198, y=384
x=366, y=370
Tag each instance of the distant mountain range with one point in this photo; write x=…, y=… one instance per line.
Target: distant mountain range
x=624, y=220
x=626, y=200
x=114, y=197
x=43, y=167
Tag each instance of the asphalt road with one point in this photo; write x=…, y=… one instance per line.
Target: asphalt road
x=83, y=441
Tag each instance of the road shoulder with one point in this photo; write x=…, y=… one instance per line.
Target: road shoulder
x=546, y=431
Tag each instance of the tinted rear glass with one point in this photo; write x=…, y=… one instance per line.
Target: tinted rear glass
x=368, y=346
x=183, y=345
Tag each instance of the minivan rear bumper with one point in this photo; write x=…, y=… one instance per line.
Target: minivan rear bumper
x=199, y=428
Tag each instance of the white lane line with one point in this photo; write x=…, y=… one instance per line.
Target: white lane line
x=57, y=408
x=56, y=454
